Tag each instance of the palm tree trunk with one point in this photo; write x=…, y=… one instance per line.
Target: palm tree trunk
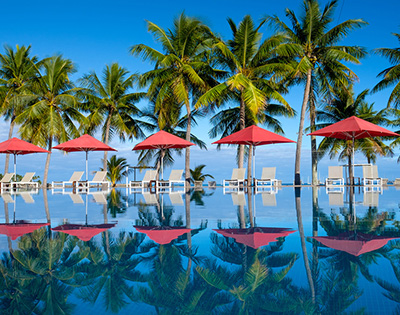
x=249, y=169
x=10, y=133
x=47, y=165
x=314, y=155
x=46, y=205
x=297, y=180
x=106, y=139
x=303, y=243
x=250, y=203
x=242, y=125
x=351, y=175
x=187, y=150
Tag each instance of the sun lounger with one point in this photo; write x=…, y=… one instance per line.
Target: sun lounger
x=335, y=176
x=236, y=179
x=5, y=182
x=174, y=178
x=75, y=178
x=26, y=181
x=99, y=179
x=148, y=177
x=267, y=177
x=370, y=175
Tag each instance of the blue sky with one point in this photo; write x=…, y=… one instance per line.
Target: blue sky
x=96, y=33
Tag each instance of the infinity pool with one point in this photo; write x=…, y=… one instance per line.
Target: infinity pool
x=210, y=251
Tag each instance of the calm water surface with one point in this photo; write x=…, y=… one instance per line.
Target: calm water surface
x=286, y=252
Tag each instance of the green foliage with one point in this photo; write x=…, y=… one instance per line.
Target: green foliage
x=198, y=175
x=116, y=169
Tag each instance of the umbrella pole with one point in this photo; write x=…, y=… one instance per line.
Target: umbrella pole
x=15, y=167
x=352, y=162
x=15, y=201
x=86, y=221
x=87, y=165
x=254, y=165
x=162, y=164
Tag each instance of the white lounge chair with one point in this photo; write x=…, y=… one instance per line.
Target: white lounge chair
x=26, y=181
x=174, y=178
x=99, y=179
x=236, y=179
x=75, y=178
x=335, y=176
x=5, y=182
x=148, y=177
x=267, y=177
x=370, y=175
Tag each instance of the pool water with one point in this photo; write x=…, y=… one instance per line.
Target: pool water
x=280, y=251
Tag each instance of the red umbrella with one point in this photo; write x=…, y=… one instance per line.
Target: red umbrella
x=83, y=232
x=84, y=143
x=19, y=147
x=19, y=228
x=162, y=140
x=354, y=243
x=162, y=234
x=254, y=136
x=353, y=128
x=255, y=237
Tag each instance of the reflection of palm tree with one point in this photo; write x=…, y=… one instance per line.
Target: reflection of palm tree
x=197, y=196
x=50, y=267
x=111, y=270
x=116, y=203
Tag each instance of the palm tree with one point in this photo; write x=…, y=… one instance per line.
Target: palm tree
x=17, y=68
x=391, y=75
x=182, y=71
x=198, y=175
x=53, y=108
x=319, y=57
x=250, y=63
x=111, y=104
x=116, y=169
x=342, y=106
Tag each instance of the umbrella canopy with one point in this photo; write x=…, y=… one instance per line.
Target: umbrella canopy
x=17, y=146
x=353, y=128
x=354, y=243
x=83, y=232
x=254, y=136
x=19, y=228
x=162, y=234
x=162, y=140
x=255, y=237
x=84, y=143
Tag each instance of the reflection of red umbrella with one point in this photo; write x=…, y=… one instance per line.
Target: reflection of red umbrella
x=354, y=243
x=19, y=228
x=83, y=232
x=255, y=237
x=353, y=128
x=254, y=136
x=162, y=234
x=19, y=147
x=84, y=143
x=162, y=140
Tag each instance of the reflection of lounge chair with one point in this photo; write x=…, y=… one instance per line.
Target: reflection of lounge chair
x=396, y=182
x=149, y=176
x=75, y=178
x=176, y=198
x=371, y=198
x=5, y=182
x=150, y=198
x=236, y=179
x=335, y=175
x=7, y=198
x=76, y=198
x=268, y=199
x=238, y=199
x=99, y=179
x=27, y=197
x=267, y=177
x=100, y=198
x=174, y=178
x=336, y=198
x=26, y=181
x=370, y=175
